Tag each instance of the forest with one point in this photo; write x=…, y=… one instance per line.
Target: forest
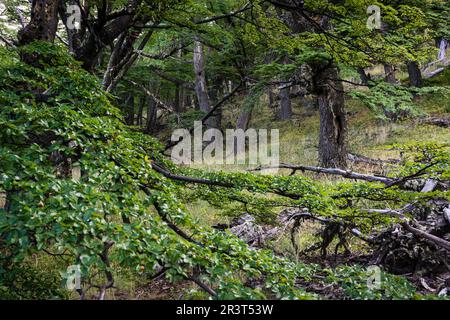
x=224, y=150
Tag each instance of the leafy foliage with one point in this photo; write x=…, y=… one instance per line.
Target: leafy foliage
x=119, y=212
x=392, y=102
x=50, y=210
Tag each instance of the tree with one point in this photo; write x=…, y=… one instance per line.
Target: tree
x=389, y=73
x=43, y=22
x=285, y=103
x=415, y=75
x=285, y=100
x=333, y=118
x=201, y=87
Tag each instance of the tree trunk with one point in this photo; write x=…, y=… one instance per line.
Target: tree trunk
x=140, y=114
x=43, y=23
x=118, y=66
x=389, y=71
x=151, y=116
x=271, y=95
x=90, y=48
x=179, y=98
x=244, y=118
x=200, y=82
x=285, y=104
x=415, y=76
x=129, y=106
x=215, y=96
x=333, y=122
x=188, y=101
x=363, y=76
x=285, y=99
x=179, y=89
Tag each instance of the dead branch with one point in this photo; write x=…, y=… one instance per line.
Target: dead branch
x=151, y=95
x=332, y=171
x=208, y=289
x=430, y=185
x=440, y=122
x=422, y=234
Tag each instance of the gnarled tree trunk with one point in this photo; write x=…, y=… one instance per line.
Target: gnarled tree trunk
x=200, y=82
x=285, y=104
x=43, y=23
x=415, y=76
x=389, y=71
x=333, y=121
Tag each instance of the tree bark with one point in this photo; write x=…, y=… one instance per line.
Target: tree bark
x=285, y=104
x=415, y=76
x=151, y=116
x=244, y=118
x=43, y=23
x=200, y=82
x=333, y=122
x=389, y=71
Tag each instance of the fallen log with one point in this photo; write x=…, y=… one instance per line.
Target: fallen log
x=331, y=171
x=440, y=122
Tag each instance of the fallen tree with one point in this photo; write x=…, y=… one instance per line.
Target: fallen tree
x=440, y=122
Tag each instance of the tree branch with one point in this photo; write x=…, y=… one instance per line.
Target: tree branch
x=332, y=171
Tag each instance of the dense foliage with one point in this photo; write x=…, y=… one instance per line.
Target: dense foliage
x=120, y=213
x=84, y=175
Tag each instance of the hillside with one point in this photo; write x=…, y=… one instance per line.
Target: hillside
x=224, y=150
